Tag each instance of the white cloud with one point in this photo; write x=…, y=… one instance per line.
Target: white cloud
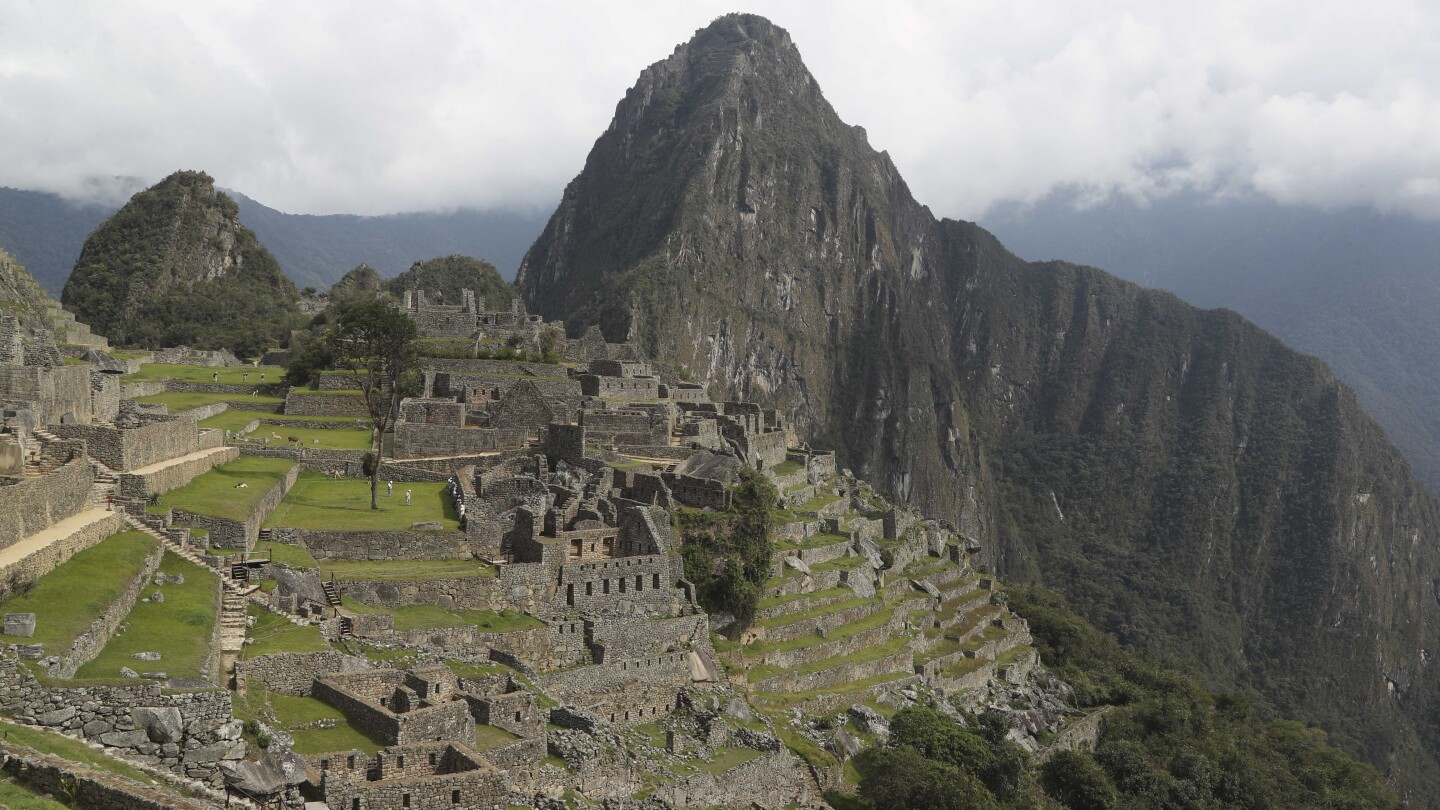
x=378, y=106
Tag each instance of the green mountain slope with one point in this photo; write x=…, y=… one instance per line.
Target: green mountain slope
x=176, y=266
x=448, y=275
x=1188, y=481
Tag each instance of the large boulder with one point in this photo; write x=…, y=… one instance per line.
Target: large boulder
x=161, y=725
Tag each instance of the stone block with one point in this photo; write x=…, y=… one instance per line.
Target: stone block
x=146, y=656
x=161, y=725
x=20, y=624
x=57, y=717
x=96, y=727
x=124, y=739
x=32, y=652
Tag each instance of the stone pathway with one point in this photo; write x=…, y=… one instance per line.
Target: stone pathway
x=170, y=462
x=32, y=543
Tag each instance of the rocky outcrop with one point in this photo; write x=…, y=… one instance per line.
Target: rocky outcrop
x=1191, y=483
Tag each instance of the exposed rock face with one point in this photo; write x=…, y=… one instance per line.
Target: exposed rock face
x=176, y=266
x=1191, y=483
x=20, y=295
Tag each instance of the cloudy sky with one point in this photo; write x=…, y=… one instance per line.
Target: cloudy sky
x=375, y=107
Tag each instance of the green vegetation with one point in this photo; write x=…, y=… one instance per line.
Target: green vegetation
x=178, y=401
x=229, y=375
x=48, y=742
x=293, y=556
x=343, y=504
x=377, y=570
x=15, y=796
x=178, y=628
x=728, y=555
x=142, y=278
x=487, y=737
x=66, y=600
x=290, y=714
x=218, y=493
x=274, y=633
x=446, y=276
x=280, y=434
x=427, y=617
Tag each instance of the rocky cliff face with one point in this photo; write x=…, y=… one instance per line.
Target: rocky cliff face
x=21, y=296
x=175, y=265
x=1192, y=484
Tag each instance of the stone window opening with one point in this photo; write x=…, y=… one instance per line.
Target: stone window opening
x=355, y=805
x=655, y=581
x=400, y=761
x=570, y=595
x=324, y=764
x=605, y=586
x=454, y=797
x=432, y=757
x=622, y=584
x=589, y=589
x=639, y=583
x=350, y=762
x=404, y=799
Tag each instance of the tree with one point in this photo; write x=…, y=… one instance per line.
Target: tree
x=376, y=344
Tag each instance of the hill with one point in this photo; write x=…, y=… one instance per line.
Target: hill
x=175, y=266
x=448, y=275
x=1356, y=288
x=1189, y=482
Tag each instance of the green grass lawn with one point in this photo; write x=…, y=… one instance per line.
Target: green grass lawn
x=314, y=438
x=787, y=467
x=818, y=502
x=234, y=419
x=293, y=556
x=487, y=737
x=288, y=712
x=339, y=392
x=239, y=375
x=66, y=600
x=215, y=493
x=274, y=633
x=330, y=504
x=726, y=758
x=426, y=617
x=178, y=401
x=405, y=569
x=178, y=628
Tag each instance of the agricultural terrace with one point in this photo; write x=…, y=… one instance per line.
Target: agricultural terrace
x=218, y=493
x=330, y=504
x=344, y=436
x=178, y=628
x=236, y=375
x=178, y=401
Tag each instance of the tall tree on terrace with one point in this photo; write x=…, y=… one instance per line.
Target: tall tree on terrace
x=376, y=343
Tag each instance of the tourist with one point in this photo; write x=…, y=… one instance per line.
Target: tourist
x=407, y=497
x=389, y=488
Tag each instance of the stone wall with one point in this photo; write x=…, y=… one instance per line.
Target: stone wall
x=775, y=779
x=29, y=505
x=473, y=593
x=311, y=404
x=43, y=560
x=418, y=440
x=624, y=584
x=449, y=720
x=86, y=787
x=836, y=676
x=135, y=390
x=93, y=640
x=172, y=476
x=626, y=427
x=185, y=732
x=126, y=449
x=293, y=673
x=60, y=394
x=394, y=545
x=482, y=788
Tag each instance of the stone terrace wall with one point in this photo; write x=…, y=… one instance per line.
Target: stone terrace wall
x=33, y=504
x=186, y=732
x=324, y=405
x=44, y=560
x=225, y=533
x=133, y=390
x=418, y=440
x=47, y=773
x=173, y=476
x=472, y=593
x=294, y=673
x=480, y=789
x=396, y=545
x=125, y=449
x=93, y=640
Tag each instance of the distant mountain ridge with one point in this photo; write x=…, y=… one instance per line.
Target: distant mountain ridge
x=1193, y=485
x=1357, y=288
x=45, y=233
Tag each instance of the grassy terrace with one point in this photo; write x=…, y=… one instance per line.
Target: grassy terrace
x=720, y=761
x=865, y=656
x=238, y=375
x=326, y=438
x=66, y=600
x=178, y=628
x=405, y=569
x=776, y=601
x=217, y=493
x=274, y=633
x=818, y=610
x=72, y=750
x=428, y=617
x=178, y=401
x=293, y=556
x=787, y=467
x=338, y=392
x=234, y=419
x=818, y=502
x=328, y=504
x=15, y=796
x=877, y=619
x=813, y=541
x=783, y=700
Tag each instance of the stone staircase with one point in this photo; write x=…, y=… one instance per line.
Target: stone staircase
x=102, y=492
x=332, y=595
